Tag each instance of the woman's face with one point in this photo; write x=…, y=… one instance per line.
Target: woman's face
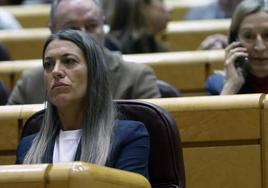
x=65, y=73
x=253, y=34
x=157, y=16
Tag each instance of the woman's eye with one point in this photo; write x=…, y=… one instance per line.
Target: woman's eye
x=48, y=66
x=71, y=27
x=69, y=61
x=265, y=36
x=248, y=36
x=91, y=26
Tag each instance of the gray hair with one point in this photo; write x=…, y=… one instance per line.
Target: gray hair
x=54, y=5
x=99, y=116
x=244, y=9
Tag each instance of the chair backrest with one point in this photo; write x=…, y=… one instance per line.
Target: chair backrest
x=166, y=167
x=3, y=94
x=167, y=90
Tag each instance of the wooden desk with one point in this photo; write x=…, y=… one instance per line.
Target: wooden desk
x=188, y=35
x=71, y=175
x=222, y=139
x=30, y=16
x=179, y=36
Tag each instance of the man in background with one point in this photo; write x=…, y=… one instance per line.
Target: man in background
x=128, y=80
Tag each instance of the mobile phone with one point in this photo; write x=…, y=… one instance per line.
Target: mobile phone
x=241, y=61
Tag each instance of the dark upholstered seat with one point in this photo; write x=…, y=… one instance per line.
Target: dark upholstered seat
x=166, y=168
x=167, y=90
x=3, y=94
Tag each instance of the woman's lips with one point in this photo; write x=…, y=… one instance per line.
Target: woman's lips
x=259, y=61
x=259, y=58
x=59, y=85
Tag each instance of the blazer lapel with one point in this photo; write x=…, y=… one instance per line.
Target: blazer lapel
x=78, y=152
x=48, y=157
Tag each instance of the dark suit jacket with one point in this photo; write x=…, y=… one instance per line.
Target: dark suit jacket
x=128, y=81
x=130, y=148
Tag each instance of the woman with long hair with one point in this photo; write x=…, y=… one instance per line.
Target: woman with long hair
x=80, y=118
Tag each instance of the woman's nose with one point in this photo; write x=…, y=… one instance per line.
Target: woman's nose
x=259, y=44
x=57, y=71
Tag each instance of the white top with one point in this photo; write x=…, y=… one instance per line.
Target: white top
x=66, y=145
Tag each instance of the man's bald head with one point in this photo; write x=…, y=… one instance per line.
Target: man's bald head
x=84, y=15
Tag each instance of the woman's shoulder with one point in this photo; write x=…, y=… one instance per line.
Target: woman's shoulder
x=126, y=130
x=23, y=147
x=129, y=126
x=214, y=84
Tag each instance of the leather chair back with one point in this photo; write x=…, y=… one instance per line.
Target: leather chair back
x=167, y=90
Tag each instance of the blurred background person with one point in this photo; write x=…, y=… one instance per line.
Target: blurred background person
x=218, y=9
x=134, y=25
x=128, y=80
x=7, y=21
x=246, y=56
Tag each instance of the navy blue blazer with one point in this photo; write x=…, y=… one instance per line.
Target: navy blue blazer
x=130, y=148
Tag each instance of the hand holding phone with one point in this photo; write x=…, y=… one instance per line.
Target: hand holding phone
x=241, y=61
x=235, y=67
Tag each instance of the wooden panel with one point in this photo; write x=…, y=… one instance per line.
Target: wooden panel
x=8, y=159
x=225, y=166
x=30, y=16
x=9, y=132
x=176, y=68
x=187, y=35
x=10, y=79
x=12, y=118
x=215, y=118
x=221, y=139
x=182, y=77
x=24, y=43
x=10, y=71
x=71, y=175
x=216, y=61
x=219, y=125
x=28, y=43
x=264, y=141
x=33, y=16
x=23, y=176
x=9, y=129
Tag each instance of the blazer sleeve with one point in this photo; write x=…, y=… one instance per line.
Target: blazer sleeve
x=23, y=147
x=132, y=147
x=214, y=84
